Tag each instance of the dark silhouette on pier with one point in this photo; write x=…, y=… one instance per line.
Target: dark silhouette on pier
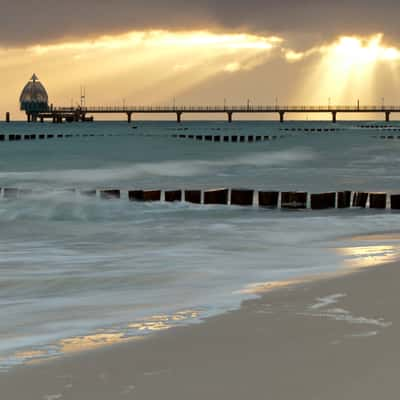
x=58, y=114
x=34, y=101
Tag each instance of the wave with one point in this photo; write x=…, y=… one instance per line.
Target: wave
x=186, y=168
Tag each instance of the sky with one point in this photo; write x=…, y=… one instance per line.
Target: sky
x=201, y=52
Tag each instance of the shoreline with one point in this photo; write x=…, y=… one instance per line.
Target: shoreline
x=343, y=326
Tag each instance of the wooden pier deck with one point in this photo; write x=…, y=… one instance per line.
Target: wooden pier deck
x=60, y=114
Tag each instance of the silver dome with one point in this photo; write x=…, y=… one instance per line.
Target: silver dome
x=34, y=96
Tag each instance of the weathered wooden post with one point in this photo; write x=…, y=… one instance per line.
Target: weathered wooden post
x=193, y=196
x=377, y=200
x=395, y=201
x=242, y=197
x=344, y=199
x=216, y=196
x=294, y=200
x=322, y=201
x=152, y=195
x=136, y=195
x=268, y=199
x=144, y=195
x=173, y=195
x=360, y=199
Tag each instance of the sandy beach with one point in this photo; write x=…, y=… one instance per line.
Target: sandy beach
x=325, y=339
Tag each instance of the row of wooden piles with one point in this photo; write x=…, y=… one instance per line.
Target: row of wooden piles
x=271, y=199
x=243, y=197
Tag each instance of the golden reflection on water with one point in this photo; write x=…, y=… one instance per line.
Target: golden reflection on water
x=258, y=288
x=102, y=339
x=164, y=321
x=369, y=256
x=30, y=354
x=89, y=342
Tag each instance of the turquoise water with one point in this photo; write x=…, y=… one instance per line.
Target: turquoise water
x=72, y=266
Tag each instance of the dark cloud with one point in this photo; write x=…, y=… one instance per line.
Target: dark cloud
x=32, y=21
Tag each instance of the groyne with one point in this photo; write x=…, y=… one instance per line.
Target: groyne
x=289, y=200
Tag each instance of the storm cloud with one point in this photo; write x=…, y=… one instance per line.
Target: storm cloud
x=303, y=21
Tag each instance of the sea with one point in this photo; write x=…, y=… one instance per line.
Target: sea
x=78, y=272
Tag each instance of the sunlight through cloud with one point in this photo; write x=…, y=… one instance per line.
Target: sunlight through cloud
x=347, y=67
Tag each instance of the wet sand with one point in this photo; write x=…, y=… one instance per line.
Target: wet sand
x=335, y=338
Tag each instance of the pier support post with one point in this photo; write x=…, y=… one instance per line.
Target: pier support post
x=334, y=113
x=230, y=117
x=129, y=117
x=281, y=116
x=41, y=120
x=179, y=117
x=28, y=117
x=7, y=116
x=387, y=116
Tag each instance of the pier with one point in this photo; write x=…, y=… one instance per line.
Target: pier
x=85, y=114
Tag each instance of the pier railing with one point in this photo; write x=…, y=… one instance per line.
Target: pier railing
x=57, y=114
x=222, y=108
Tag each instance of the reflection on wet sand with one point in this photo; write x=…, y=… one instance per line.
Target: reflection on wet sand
x=90, y=342
x=369, y=256
x=360, y=255
x=133, y=331
x=164, y=321
x=259, y=288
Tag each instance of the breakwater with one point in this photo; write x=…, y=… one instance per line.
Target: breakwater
x=294, y=200
x=199, y=137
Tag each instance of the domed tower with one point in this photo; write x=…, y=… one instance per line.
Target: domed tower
x=34, y=98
